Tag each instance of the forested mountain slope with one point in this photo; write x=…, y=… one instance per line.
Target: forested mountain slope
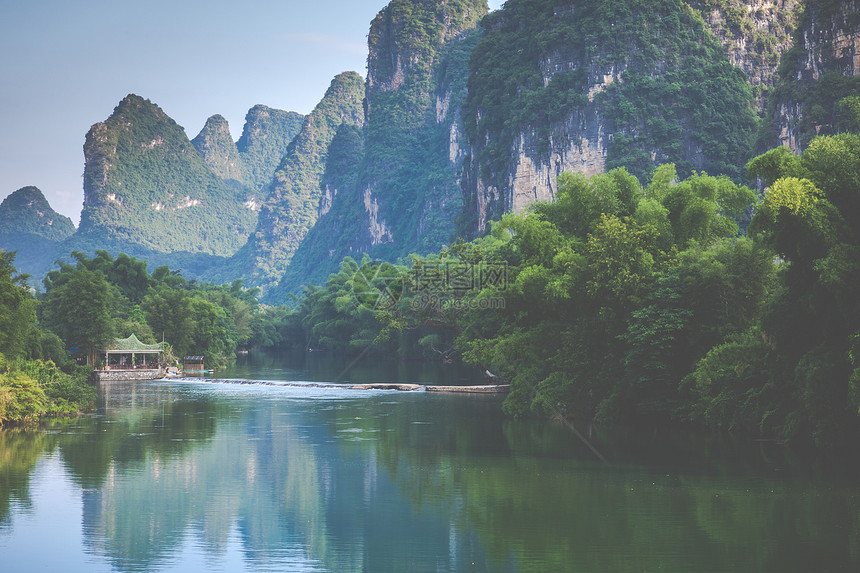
x=146, y=185
x=465, y=116
x=591, y=86
x=402, y=191
x=31, y=227
x=293, y=197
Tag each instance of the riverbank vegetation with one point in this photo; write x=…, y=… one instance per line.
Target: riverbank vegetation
x=679, y=301
x=90, y=303
x=50, y=343
x=682, y=301
x=37, y=376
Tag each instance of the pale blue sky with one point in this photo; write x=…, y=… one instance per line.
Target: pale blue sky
x=64, y=65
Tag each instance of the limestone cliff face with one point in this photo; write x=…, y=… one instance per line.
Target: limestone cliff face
x=571, y=85
x=216, y=145
x=403, y=194
x=417, y=56
x=823, y=67
x=830, y=40
x=755, y=34
x=575, y=143
x=404, y=42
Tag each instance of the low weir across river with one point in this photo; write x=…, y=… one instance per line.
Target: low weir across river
x=481, y=389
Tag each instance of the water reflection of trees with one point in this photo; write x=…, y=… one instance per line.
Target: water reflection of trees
x=135, y=427
x=423, y=482
x=547, y=510
x=19, y=452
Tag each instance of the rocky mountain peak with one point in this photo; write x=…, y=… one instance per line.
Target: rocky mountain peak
x=216, y=145
x=265, y=138
x=147, y=188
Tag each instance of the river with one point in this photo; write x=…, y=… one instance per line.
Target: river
x=216, y=475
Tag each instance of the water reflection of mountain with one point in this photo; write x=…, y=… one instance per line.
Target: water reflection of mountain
x=289, y=481
x=19, y=452
x=320, y=480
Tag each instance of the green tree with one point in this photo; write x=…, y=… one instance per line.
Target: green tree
x=849, y=109
x=18, y=334
x=169, y=312
x=78, y=307
x=615, y=292
x=810, y=216
x=737, y=387
x=709, y=296
x=704, y=209
x=213, y=333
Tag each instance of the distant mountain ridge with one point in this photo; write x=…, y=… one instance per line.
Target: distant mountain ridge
x=465, y=116
x=151, y=193
x=31, y=227
x=27, y=212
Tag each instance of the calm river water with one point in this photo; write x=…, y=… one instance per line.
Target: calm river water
x=218, y=476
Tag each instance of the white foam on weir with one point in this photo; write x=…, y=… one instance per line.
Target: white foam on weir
x=302, y=388
x=349, y=387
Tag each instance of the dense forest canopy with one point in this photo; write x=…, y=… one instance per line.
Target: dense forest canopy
x=649, y=304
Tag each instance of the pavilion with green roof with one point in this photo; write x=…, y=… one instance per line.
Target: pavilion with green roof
x=130, y=353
